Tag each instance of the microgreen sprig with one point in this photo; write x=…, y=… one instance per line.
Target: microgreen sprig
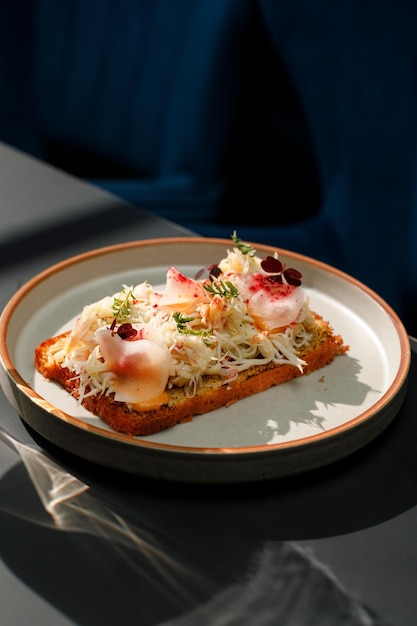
x=244, y=248
x=122, y=307
x=279, y=271
x=182, y=321
x=220, y=288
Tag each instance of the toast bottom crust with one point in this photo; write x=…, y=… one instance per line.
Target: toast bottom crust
x=179, y=408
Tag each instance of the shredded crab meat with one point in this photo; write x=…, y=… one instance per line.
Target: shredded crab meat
x=206, y=327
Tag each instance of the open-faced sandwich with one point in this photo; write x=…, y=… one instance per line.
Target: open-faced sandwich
x=144, y=360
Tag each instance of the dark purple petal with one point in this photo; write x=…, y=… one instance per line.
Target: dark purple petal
x=208, y=272
x=271, y=265
x=292, y=276
x=127, y=332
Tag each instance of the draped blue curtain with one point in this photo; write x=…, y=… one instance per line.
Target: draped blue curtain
x=292, y=122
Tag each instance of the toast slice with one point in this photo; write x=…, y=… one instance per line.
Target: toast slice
x=144, y=359
x=178, y=405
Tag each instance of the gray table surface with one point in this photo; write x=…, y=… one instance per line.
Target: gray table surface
x=336, y=546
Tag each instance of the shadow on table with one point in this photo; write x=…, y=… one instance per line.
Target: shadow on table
x=63, y=233
x=98, y=568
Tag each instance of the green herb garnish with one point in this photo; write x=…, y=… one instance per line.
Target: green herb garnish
x=220, y=288
x=244, y=248
x=182, y=321
x=122, y=307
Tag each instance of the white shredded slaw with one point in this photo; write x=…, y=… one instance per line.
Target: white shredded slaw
x=219, y=337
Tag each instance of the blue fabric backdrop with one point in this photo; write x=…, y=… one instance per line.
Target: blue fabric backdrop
x=292, y=122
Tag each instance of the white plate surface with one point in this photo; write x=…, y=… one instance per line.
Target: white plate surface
x=301, y=425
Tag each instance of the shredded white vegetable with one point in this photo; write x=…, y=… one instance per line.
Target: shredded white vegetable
x=214, y=336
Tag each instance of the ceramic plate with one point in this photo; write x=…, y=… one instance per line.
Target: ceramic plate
x=304, y=424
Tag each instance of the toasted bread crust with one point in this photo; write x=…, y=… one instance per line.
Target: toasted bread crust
x=213, y=394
